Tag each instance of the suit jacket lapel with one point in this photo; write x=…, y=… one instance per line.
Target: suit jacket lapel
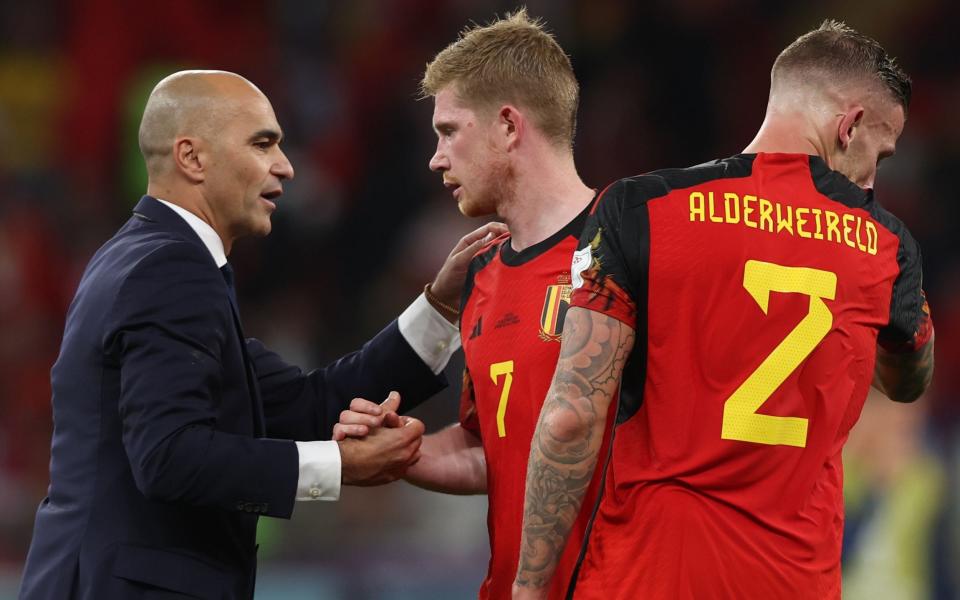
x=252, y=383
x=149, y=209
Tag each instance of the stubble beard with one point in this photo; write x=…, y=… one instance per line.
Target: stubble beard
x=497, y=192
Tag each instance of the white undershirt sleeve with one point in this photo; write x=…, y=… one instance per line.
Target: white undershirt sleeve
x=431, y=336
x=319, y=471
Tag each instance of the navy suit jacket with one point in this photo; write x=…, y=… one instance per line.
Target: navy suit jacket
x=172, y=431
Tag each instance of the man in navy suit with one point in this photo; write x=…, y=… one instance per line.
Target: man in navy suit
x=172, y=431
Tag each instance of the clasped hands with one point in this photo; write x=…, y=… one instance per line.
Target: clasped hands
x=376, y=444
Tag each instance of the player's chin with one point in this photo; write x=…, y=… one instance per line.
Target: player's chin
x=474, y=209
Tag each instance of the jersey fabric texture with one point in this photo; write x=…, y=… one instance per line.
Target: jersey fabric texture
x=758, y=286
x=511, y=321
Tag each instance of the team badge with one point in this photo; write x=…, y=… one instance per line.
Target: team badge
x=583, y=259
x=555, y=306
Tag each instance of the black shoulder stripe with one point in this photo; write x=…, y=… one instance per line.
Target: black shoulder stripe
x=835, y=186
x=477, y=263
x=906, y=302
x=596, y=200
x=656, y=184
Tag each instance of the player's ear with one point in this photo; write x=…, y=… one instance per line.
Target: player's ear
x=186, y=157
x=511, y=124
x=849, y=122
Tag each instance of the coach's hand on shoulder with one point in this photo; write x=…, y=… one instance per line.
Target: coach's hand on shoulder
x=385, y=453
x=365, y=415
x=448, y=284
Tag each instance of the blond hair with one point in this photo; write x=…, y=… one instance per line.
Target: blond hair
x=515, y=60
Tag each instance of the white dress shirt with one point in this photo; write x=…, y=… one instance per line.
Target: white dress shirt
x=430, y=335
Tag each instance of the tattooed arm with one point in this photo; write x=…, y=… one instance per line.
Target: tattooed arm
x=903, y=376
x=563, y=453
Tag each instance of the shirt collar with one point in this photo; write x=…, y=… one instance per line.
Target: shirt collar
x=203, y=230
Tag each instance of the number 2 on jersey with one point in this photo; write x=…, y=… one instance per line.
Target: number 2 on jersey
x=496, y=370
x=740, y=418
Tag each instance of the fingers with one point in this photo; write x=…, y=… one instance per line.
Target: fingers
x=392, y=403
x=411, y=436
x=480, y=235
x=365, y=406
x=363, y=415
x=473, y=248
x=341, y=431
x=392, y=419
x=416, y=425
x=349, y=417
x=497, y=228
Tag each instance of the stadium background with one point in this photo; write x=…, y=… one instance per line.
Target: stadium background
x=365, y=224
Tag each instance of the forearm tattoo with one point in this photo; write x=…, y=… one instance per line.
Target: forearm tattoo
x=567, y=440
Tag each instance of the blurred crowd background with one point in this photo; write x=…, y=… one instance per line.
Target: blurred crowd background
x=665, y=83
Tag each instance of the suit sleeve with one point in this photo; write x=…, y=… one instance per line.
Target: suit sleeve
x=306, y=406
x=168, y=333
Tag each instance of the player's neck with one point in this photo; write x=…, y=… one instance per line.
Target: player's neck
x=788, y=135
x=547, y=199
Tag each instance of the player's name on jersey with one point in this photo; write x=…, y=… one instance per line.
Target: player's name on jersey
x=806, y=222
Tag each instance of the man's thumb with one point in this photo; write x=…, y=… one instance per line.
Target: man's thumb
x=392, y=403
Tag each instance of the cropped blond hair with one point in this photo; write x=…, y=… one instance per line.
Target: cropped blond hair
x=511, y=60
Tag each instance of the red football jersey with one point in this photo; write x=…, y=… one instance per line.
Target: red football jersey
x=758, y=286
x=512, y=318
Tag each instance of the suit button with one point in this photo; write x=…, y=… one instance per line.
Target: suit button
x=315, y=492
x=240, y=505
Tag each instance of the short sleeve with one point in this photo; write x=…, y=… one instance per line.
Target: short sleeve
x=910, y=326
x=604, y=267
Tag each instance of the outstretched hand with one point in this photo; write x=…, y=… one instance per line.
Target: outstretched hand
x=448, y=284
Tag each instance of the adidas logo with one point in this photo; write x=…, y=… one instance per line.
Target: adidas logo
x=475, y=333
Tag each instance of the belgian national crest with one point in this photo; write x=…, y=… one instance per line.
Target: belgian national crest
x=555, y=306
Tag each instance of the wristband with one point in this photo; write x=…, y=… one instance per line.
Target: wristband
x=440, y=305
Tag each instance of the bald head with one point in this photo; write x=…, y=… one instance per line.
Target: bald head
x=188, y=103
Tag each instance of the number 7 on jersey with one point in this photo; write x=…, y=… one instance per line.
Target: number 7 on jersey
x=496, y=370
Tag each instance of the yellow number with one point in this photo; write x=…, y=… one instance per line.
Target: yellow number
x=740, y=418
x=496, y=370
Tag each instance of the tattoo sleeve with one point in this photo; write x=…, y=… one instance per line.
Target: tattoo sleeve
x=567, y=440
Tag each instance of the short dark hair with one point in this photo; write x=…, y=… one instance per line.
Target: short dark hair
x=838, y=50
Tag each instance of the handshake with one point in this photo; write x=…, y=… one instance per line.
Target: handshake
x=377, y=445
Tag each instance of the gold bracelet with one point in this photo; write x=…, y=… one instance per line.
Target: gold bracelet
x=440, y=304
